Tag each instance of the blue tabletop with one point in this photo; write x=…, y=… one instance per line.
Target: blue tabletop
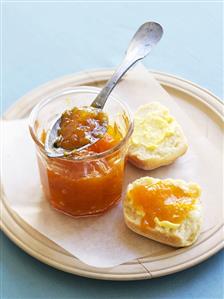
x=42, y=41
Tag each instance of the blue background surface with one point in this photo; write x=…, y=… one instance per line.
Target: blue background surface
x=42, y=41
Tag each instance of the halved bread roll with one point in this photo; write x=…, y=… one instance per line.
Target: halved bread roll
x=157, y=139
x=167, y=211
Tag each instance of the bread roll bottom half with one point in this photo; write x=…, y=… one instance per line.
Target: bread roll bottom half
x=168, y=211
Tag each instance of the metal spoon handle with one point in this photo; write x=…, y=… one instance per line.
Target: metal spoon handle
x=145, y=38
x=101, y=98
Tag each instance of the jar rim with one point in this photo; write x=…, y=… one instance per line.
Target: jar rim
x=79, y=89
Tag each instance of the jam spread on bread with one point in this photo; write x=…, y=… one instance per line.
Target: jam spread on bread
x=164, y=201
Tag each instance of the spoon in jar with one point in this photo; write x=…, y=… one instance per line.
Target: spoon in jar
x=145, y=38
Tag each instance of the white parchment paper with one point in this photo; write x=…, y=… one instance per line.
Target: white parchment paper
x=105, y=241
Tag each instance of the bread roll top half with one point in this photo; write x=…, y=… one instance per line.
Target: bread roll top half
x=157, y=139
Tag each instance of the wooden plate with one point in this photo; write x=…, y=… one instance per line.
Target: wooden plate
x=192, y=98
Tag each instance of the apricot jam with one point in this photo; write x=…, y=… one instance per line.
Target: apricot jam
x=163, y=200
x=81, y=126
x=85, y=187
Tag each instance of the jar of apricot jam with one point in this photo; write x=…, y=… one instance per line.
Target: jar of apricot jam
x=90, y=182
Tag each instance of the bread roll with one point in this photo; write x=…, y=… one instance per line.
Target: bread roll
x=167, y=211
x=157, y=139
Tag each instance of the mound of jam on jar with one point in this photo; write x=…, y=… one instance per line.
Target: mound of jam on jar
x=81, y=126
x=88, y=185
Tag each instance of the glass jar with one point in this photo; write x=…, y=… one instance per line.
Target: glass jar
x=81, y=185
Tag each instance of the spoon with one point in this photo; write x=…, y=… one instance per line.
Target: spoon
x=145, y=38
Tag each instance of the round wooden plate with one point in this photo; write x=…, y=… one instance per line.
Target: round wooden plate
x=191, y=97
